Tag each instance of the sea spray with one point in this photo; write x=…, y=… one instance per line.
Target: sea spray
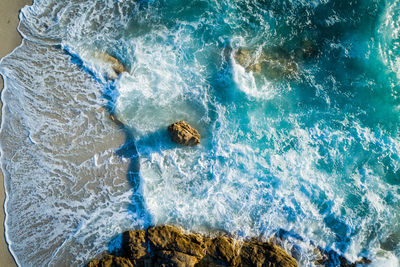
x=303, y=138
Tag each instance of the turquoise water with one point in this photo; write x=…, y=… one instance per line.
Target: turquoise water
x=297, y=103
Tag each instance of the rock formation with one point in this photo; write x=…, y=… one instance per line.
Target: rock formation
x=274, y=63
x=109, y=261
x=331, y=258
x=170, y=246
x=308, y=50
x=116, y=66
x=242, y=57
x=184, y=134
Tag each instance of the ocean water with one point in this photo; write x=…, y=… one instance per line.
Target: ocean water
x=297, y=103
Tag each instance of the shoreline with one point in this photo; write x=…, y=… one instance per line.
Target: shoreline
x=3, y=245
x=9, y=20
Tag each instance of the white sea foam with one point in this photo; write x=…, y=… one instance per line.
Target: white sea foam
x=52, y=132
x=275, y=156
x=390, y=36
x=246, y=82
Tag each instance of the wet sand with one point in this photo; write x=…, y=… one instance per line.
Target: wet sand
x=10, y=38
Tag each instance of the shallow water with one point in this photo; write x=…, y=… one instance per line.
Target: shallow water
x=296, y=101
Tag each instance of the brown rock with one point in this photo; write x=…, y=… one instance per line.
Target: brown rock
x=134, y=246
x=325, y=258
x=243, y=57
x=256, y=253
x=174, y=258
x=321, y=258
x=184, y=134
x=170, y=246
x=173, y=239
x=116, y=65
x=224, y=249
x=256, y=67
x=274, y=63
x=110, y=261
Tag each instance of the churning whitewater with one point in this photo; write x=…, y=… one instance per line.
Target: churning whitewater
x=297, y=103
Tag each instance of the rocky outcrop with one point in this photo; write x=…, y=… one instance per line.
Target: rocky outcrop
x=277, y=62
x=221, y=251
x=273, y=63
x=116, y=66
x=331, y=258
x=173, y=239
x=184, y=134
x=110, y=261
x=256, y=253
x=171, y=246
x=243, y=57
x=134, y=246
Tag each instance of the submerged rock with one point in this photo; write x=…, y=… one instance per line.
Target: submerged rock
x=171, y=246
x=184, y=134
x=308, y=49
x=274, y=63
x=331, y=258
x=116, y=66
x=243, y=57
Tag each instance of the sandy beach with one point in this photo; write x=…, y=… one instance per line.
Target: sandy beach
x=9, y=11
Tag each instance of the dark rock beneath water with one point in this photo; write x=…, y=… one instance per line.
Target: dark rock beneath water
x=274, y=63
x=307, y=50
x=243, y=57
x=116, y=66
x=184, y=134
x=331, y=258
x=171, y=246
